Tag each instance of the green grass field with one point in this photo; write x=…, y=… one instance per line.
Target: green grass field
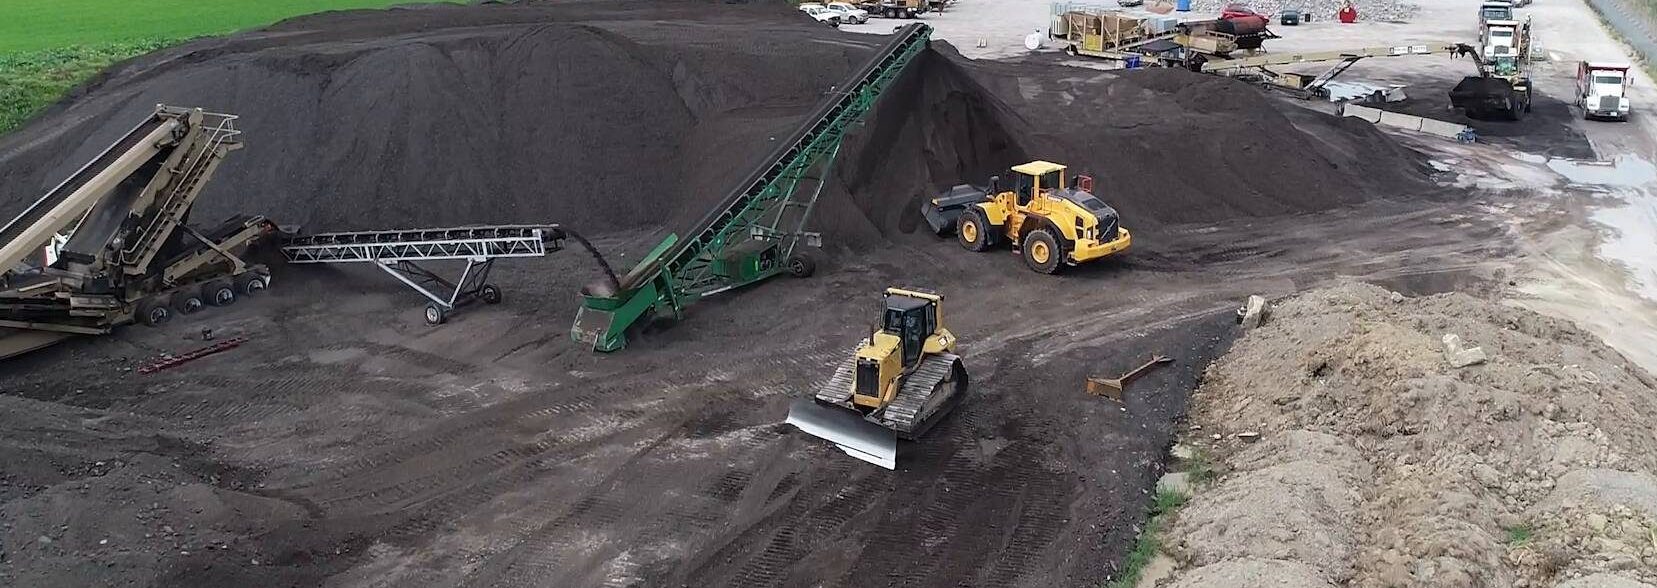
x=50, y=46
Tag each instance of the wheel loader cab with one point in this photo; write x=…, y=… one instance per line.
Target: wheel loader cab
x=1037, y=179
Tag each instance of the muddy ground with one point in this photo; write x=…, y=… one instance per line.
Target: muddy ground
x=348, y=444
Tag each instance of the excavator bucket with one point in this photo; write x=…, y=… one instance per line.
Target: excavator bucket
x=859, y=438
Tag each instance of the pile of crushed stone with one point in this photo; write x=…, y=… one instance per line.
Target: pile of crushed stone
x=1380, y=464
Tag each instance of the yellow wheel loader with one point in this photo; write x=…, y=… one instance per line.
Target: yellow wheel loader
x=1051, y=223
x=899, y=382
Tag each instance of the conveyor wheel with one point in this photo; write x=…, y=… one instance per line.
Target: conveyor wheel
x=435, y=315
x=801, y=265
x=490, y=294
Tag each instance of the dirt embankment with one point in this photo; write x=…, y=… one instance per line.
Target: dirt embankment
x=1380, y=464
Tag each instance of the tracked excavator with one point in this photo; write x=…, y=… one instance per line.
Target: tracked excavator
x=900, y=381
x=111, y=246
x=1051, y=223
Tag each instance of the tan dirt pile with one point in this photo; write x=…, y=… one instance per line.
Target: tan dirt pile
x=1380, y=464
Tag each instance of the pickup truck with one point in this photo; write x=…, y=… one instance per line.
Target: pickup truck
x=1602, y=90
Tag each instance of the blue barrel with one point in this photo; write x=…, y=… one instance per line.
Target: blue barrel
x=1130, y=61
x=1182, y=5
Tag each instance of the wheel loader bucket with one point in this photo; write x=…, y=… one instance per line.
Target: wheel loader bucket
x=848, y=430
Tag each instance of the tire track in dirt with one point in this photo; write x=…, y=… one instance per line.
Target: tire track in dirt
x=540, y=545
x=451, y=431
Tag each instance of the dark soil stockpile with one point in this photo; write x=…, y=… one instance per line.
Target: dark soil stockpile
x=438, y=116
x=600, y=119
x=1165, y=146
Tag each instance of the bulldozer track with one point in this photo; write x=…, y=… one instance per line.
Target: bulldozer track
x=905, y=411
x=838, y=389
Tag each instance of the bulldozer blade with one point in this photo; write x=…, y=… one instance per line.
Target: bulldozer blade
x=847, y=430
x=1111, y=388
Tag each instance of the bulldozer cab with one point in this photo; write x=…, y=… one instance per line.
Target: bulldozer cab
x=911, y=320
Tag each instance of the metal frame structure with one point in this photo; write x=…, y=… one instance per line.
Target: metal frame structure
x=767, y=211
x=399, y=253
x=1259, y=64
x=83, y=258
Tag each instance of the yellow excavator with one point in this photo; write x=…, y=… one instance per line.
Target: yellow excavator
x=902, y=379
x=1051, y=222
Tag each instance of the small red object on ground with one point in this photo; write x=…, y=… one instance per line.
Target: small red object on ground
x=165, y=362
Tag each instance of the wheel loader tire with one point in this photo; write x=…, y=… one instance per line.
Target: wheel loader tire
x=154, y=312
x=973, y=231
x=1042, y=252
x=801, y=265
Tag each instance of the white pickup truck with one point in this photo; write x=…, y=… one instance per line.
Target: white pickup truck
x=1602, y=89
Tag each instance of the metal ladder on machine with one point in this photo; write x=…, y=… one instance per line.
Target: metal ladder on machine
x=400, y=253
x=754, y=233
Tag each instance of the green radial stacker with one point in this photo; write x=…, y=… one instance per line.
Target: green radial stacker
x=754, y=233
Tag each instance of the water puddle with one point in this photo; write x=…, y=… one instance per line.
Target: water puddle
x=1632, y=238
x=1624, y=170
x=1632, y=241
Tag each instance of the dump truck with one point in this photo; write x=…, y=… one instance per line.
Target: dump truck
x=1602, y=90
x=1053, y=221
x=1502, y=37
x=110, y=245
x=898, y=383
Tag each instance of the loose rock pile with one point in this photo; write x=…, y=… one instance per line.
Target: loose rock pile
x=1382, y=464
x=1377, y=10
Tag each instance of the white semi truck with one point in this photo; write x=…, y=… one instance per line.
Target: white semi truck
x=1602, y=90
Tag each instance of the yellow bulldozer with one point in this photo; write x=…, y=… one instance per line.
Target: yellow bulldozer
x=902, y=379
x=1052, y=223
